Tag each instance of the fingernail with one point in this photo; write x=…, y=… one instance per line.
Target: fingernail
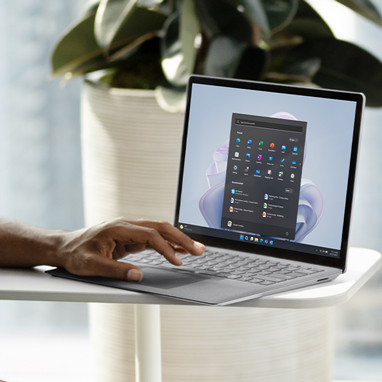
x=178, y=260
x=199, y=246
x=134, y=275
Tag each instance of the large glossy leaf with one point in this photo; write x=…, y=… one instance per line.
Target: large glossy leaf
x=149, y=3
x=342, y=66
x=124, y=21
x=365, y=8
x=173, y=63
x=279, y=13
x=307, y=24
x=255, y=12
x=90, y=8
x=252, y=63
x=75, y=48
x=223, y=57
x=189, y=30
x=221, y=17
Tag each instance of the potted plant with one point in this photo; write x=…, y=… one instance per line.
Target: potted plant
x=136, y=54
x=157, y=44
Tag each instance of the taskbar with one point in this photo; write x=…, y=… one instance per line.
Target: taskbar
x=256, y=239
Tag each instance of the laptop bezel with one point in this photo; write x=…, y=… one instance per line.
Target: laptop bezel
x=359, y=98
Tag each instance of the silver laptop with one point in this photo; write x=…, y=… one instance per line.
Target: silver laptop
x=266, y=182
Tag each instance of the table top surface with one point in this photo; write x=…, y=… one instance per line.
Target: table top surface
x=35, y=285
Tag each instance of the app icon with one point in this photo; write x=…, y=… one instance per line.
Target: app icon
x=259, y=157
x=265, y=205
x=237, y=154
x=229, y=223
x=251, y=239
x=232, y=200
x=235, y=167
x=181, y=226
x=269, y=172
x=246, y=238
x=271, y=242
x=272, y=145
x=256, y=239
x=282, y=160
x=233, y=191
x=241, y=237
x=283, y=147
x=249, y=142
x=266, y=196
x=230, y=209
x=238, y=140
x=266, y=241
x=261, y=240
x=295, y=148
x=281, y=173
x=264, y=214
x=270, y=159
x=248, y=155
x=257, y=171
x=246, y=168
x=292, y=176
x=293, y=162
x=261, y=143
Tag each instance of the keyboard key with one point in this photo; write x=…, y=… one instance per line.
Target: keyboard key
x=269, y=278
x=267, y=283
x=255, y=281
x=233, y=276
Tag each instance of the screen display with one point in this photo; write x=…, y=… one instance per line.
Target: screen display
x=267, y=168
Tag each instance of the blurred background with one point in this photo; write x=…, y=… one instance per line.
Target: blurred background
x=40, y=183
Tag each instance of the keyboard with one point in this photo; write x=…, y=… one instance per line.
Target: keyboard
x=250, y=269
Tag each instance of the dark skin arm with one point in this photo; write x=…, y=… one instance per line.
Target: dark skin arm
x=92, y=251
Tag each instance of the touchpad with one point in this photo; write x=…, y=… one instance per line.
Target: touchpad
x=167, y=279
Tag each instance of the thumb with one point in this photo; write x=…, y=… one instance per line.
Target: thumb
x=106, y=267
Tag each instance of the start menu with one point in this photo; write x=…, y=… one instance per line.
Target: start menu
x=263, y=175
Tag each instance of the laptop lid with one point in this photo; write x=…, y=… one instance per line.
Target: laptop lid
x=269, y=168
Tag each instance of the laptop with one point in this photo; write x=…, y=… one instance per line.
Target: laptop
x=266, y=182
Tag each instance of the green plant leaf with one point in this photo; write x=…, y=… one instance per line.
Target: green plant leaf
x=255, y=12
x=75, y=48
x=223, y=57
x=365, y=8
x=342, y=66
x=306, y=25
x=124, y=21
x=252, y=63
x=149, y=3
x=90, y=8
x=189, y=30
x=308, y=28
x=279, y=13
x=173, y=63
x=221, y=17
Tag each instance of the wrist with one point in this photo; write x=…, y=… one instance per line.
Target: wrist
x=54, y=243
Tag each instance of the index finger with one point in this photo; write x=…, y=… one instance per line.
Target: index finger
x=174, y=235
x=127, y=233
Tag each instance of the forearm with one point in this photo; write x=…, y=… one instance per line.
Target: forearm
x=23, y=245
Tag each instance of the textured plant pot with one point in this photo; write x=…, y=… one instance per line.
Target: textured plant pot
x=130, y=164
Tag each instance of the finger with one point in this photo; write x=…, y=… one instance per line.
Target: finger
x=175, y=236
x=101, y=266
x=132, y=234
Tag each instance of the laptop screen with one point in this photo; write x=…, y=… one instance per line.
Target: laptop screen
x=268, y=168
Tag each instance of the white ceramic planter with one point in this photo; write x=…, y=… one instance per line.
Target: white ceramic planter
x=130, y=164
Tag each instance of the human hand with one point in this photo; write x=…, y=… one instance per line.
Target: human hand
x=94, y=251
